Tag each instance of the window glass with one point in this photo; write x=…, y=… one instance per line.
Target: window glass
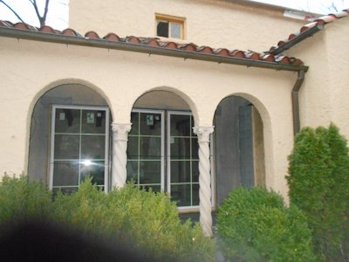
x=93, y=121
x=66, y=173
x=67, y=121
x=180, y=171
x=175, y=30
x=181, y=194
x=67, y=146
x=150, y=124
x=180, y=148
x=180, y=125
x=94, y=170
x=150, y=147
x=92, y=147
x=169, y=26
x=79, y=147
x=162, y=29
x=150, y=172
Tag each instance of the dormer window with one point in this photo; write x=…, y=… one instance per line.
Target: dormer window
x=170, y=26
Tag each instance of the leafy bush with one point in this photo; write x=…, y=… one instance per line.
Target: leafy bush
x=147, y=221
x=319, y=185
x=150, y=221
x=254, y=225
x=20, y=200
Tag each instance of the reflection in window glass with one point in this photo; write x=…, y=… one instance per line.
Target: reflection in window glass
x=144, y=150
x=175, y=30
x=79, y=147
x=67, y=121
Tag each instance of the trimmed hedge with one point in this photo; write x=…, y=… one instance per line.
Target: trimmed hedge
x=319, y=185
x=254, y=225
x=146, y=221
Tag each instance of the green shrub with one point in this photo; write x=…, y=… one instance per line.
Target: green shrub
x=254, y=225
x=319, y=185
x=20, y=199
x=149, y=221
x=146, y=221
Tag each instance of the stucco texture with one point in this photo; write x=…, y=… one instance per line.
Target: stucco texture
x=219, y=24
x=121, y=77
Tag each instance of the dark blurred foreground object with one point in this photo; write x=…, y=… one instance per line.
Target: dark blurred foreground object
x=42, y=241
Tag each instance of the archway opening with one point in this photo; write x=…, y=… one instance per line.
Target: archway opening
x=69, y=138
x=162, y=151
x=238, y=147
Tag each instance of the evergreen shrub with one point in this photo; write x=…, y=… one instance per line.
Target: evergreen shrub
x=254, y=225
x=319, y=185
x=145, y=221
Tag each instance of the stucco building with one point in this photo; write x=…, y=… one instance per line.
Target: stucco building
x=189, y=97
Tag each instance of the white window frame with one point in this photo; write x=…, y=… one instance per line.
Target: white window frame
x=170, y=20
x=162, y=113
x=106, y=152
x=182, y=209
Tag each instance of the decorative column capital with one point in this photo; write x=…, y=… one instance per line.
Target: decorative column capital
x=121, y=130
x=203, y=133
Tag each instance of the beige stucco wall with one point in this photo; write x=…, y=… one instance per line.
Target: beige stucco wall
x=325, y=93
x=208, y=22
x=121, y=77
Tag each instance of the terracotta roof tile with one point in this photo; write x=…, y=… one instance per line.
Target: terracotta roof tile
x=112, y=37
x=317, y=22
x=70, y=32
x=158, y=43
x=221, y=52
x=92, y=35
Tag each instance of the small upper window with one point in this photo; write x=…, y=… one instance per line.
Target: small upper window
x=169, y=26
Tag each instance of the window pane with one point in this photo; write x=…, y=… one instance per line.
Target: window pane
x=180, y=125
x=94, y=170
x=93, y=121
x=196, y=199
x=181, y=194
x=135, y=123
x=150, y=147
x=195, y=148
x=132, y=147
x=66, y=147
x=180, y=148
x=175, y=30
x=162, y=29
x=180, y=171
x=132, y=171
x=67, y=121
x=195, y=171
x=65, y=190
x=150, y=172
x=154, y=188
x=150, y=124
x=92, y=147
x=65, y=174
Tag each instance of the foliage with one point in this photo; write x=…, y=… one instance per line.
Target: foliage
x=254, y=225
x=147, y=221
x=319, y=185
x=20, y=200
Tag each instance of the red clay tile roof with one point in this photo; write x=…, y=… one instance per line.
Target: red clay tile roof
x=302, y=34
x=157, y=43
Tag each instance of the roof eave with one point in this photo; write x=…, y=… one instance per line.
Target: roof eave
x=142, y=48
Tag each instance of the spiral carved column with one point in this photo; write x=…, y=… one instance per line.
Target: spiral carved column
x=203, y=134
x=119, y=161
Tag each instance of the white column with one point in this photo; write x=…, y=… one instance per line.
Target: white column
x=203, y=134
x=119, y=160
